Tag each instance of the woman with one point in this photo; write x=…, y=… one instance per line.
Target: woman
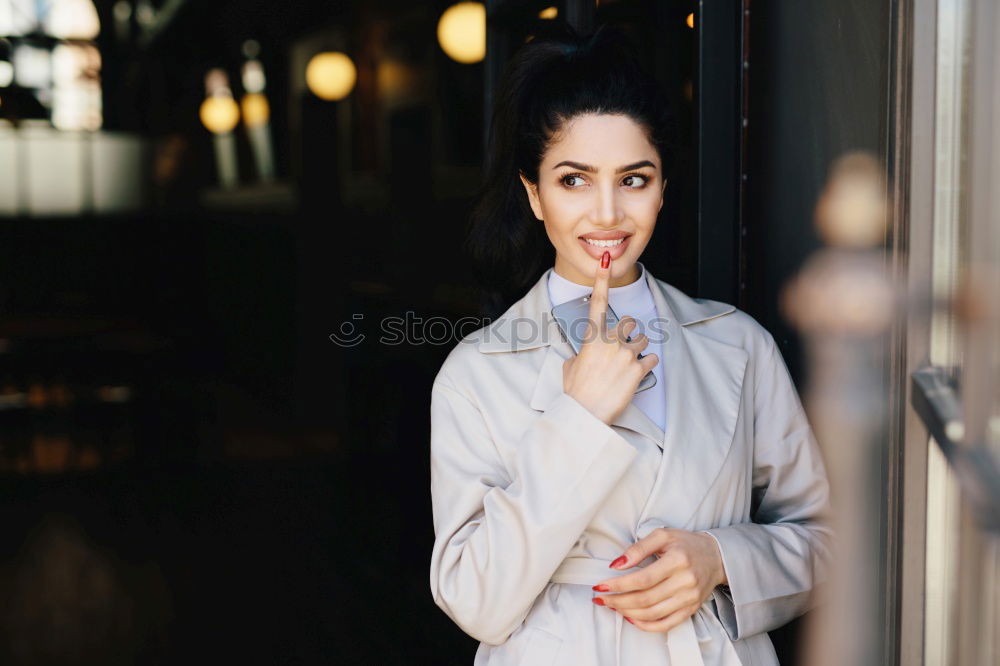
x=576, y=521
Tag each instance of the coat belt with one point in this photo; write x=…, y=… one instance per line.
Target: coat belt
x=682, y=642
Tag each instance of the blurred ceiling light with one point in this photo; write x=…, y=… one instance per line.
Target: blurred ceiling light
x=145, y=13
x=256, y=111
x=394, y=79
x=219, y=114
x=217, y=82
x=462, y=32
x=122, y=10
x=253, y=76
x=250, y=48
x=549, y=13
x=122, y=13
x=331, y=75
x=6, y=73
x=690, y=20
x=72, y=19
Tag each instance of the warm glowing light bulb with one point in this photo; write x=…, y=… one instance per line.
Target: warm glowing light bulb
x=690, y=20
x=549, y=13
x=462, y=32
x=331, y=75
x=219, y=114
x=256, y=111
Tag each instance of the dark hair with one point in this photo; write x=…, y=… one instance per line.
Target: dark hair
x=549, y=81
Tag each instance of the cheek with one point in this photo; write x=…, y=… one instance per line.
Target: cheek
x=644, y=211
x=560, y=232
x=561, y=213
x=558, y=203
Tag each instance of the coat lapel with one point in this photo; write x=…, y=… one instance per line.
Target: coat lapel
x=549, y=386
x=703, y=383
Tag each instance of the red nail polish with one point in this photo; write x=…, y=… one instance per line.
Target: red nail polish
x=598, y=601
x=601, y=588
x=617, y=563
x=605, y=259
x=630, y=620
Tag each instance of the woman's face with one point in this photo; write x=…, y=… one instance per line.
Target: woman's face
x=600, y=179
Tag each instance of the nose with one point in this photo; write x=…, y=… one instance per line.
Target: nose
x=607, y=211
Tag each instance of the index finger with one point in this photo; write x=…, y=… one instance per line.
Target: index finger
x=645, y=578
x=598, y=313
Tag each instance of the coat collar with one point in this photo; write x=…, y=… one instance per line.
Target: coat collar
x=703, y=380
x=528, y=323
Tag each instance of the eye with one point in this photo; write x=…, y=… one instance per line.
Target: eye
x=569, y=177
x=643, y=180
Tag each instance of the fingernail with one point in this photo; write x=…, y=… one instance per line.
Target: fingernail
x=629, y=619
x=605, y=259
x=617, y=563
x=598, y=601
x=601, y=588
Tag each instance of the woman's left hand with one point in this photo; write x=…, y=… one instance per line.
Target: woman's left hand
x=671, y=589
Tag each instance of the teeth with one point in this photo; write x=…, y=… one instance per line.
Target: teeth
x=605, y=243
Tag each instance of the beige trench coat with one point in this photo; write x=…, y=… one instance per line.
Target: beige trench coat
x=533, y=496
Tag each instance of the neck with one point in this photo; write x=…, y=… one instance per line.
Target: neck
x=628, y=276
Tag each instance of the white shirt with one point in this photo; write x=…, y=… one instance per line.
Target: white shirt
x=633, y=299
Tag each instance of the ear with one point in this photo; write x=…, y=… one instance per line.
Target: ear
x=662, y=190
x=532, y=190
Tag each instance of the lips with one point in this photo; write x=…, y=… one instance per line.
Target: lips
x=596, y=251
x=606, y=235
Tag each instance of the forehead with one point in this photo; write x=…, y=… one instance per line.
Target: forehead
x=601, y=139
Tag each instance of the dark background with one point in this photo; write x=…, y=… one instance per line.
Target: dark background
x=262, y=494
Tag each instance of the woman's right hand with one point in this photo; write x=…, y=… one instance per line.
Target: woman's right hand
x=605, y=374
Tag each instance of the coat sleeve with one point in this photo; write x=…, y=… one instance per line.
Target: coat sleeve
x=774, y=563
x=501, y=533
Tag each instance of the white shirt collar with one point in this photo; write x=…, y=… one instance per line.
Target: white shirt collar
x=632, y=299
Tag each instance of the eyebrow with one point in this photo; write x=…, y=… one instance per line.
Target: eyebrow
x=590, y=169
